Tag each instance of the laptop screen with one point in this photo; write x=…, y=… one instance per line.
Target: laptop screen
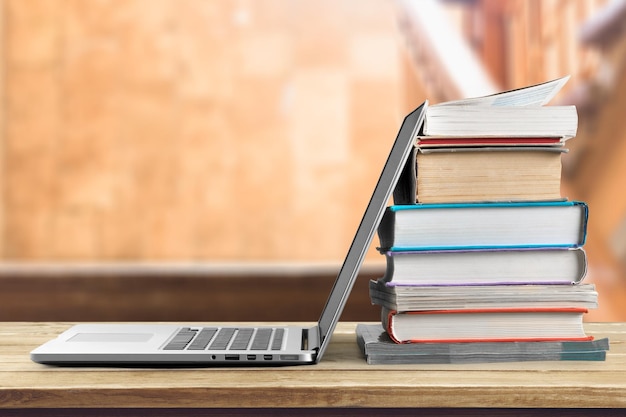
x=369, y=223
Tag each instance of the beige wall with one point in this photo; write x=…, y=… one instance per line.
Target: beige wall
x=202, y=130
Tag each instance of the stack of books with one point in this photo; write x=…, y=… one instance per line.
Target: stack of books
x=485, y=258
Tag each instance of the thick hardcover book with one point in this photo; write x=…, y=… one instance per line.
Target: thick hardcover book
x=469, y=174
x=475, y=173
x=483, y=225
x=486, y=266
x=421, y=298
x=378, y=348
x=485, y=325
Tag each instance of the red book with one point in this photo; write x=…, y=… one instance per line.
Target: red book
x=427, y=142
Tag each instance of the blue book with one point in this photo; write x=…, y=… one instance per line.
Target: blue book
x=418, y=227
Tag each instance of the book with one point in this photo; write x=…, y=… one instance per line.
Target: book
x=477, y=174
x=486, y=266
x=483, y=225
x=475, y=121
x=426, y=142
x=402, y=298
x=378, y=348
x=515, y=113
x=509, y=324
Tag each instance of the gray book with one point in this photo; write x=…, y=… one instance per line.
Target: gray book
x=378, y=348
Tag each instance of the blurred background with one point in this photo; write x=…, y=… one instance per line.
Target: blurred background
x=159, y=150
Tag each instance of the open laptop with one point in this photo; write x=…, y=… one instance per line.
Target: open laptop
x=165, y=344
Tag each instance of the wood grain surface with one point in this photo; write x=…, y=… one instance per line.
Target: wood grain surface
x=342, y=379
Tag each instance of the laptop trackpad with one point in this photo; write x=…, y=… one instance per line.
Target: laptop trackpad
x=111, y=337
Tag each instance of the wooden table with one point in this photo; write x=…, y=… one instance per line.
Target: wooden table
x=342, y=382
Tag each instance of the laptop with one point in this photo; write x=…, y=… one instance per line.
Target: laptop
x=198, y=345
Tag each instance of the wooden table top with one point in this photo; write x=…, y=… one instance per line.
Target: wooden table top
x=342, y=379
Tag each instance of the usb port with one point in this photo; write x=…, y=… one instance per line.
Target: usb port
x=232, y=357
x=267, y=357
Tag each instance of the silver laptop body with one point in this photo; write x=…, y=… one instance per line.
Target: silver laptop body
x=171, y=345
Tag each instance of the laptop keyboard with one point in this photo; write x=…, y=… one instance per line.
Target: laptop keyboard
x=212, y=338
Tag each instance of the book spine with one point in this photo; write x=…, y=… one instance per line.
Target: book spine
x=585, y=221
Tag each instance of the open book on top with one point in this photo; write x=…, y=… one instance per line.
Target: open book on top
x=519, y=113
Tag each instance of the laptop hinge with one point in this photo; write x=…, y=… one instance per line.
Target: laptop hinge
x=310, y=339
